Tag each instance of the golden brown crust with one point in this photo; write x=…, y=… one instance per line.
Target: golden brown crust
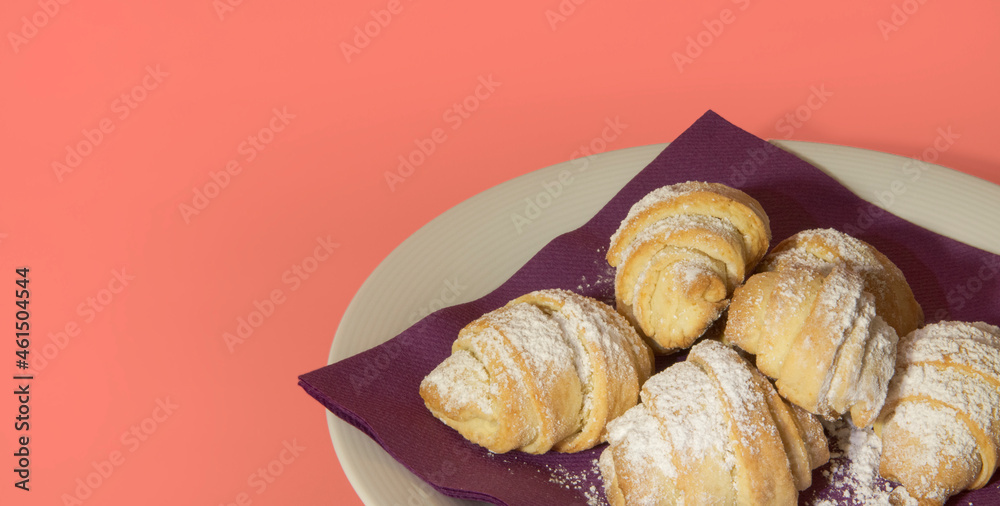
x=812, y=433
x=940, y=427
x=546, y=371
x=680, y=253
x=616, y=372
x=683, y=398
x=763, y=474
x=709, y=199
x=818, y=336
x=801, y=434
x=823, y=248
x=711, y=430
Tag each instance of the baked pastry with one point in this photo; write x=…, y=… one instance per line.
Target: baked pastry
x=816, y=333
x=548, y=370
x=711, y=430
x=824, y=248
x=940, y=427
x=679, y=254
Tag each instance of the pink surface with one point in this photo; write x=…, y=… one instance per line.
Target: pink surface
x=120, y=121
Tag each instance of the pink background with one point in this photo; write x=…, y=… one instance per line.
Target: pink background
x=99, y=187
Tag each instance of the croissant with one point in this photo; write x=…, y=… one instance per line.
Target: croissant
x=940, y=427
x=818, y=336
x=548, y=370
x=824, y=248
x=679, y=254
x=711, y=430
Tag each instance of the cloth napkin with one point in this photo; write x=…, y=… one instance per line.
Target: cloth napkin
x=377, y=391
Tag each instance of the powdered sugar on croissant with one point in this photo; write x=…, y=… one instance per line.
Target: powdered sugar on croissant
x=940, y=427
x=818, y=336
x=824, y=248
x=548, y=370
x=679, y=254
x=711, y=430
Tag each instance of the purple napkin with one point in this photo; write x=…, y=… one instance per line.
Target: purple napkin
x=950, y=280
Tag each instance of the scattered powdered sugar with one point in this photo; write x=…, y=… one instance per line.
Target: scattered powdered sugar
x=853, y=472
x=598, y=283
x=581, y=481
x=566, y=478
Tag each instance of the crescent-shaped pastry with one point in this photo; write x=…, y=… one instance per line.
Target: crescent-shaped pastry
x=679, y=254
x=548, y=370
x=711, y=430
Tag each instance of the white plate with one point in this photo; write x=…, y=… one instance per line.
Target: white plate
x=473, y=247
